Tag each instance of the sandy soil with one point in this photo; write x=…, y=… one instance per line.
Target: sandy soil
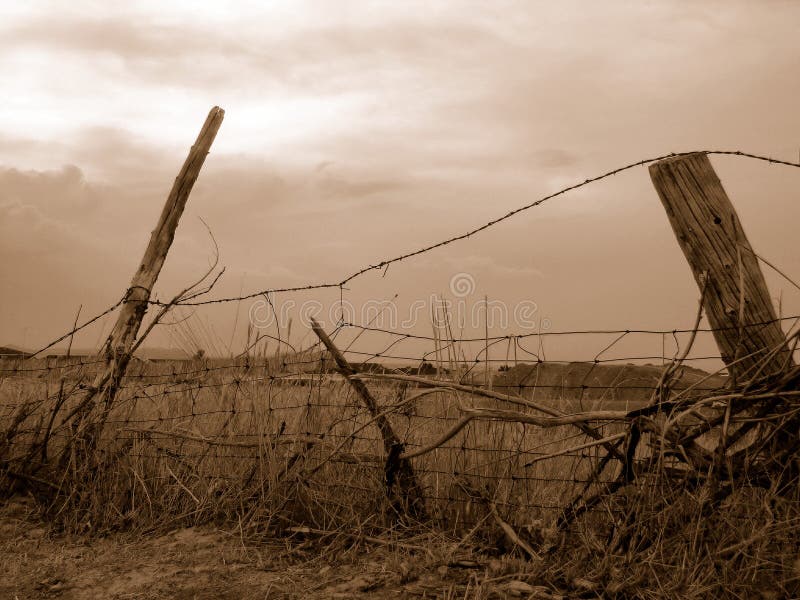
x=210, y=563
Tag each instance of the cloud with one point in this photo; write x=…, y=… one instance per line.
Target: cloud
x=131, y=40
x=53, y=261
x=25, y=227
x=63, y=194
x=492, y=266
x=318, y=59
x=337, y=186
x=361, y=131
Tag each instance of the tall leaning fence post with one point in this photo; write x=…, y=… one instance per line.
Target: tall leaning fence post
x=403, y=489
x=117, y=348
x=736, y=299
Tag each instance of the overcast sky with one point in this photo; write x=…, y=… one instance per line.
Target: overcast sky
x=355, y=131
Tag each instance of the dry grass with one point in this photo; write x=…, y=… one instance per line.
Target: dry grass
x=194, y=442
x=268, y=455
x=207, y=562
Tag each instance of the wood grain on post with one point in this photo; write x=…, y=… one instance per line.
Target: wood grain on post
x=119, y=343
x=746, y=329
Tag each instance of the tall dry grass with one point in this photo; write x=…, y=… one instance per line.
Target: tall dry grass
x=272, y=451
x=269, y=451
x=205, y=441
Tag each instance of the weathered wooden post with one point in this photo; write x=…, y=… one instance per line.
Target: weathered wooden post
x=117, y=348
x=736, y=299
x=87, y=428
x=402, y=487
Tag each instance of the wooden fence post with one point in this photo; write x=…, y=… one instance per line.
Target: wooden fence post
x=737, y=302
x=117, y=347
x=399, y=472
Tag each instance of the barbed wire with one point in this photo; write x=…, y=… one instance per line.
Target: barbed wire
x=254, y=397
x=314, y=356
x=383, y=264
x=78, y=328
x=546, y=333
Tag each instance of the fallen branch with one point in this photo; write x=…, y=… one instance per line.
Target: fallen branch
x=605, y=440
x=359, y=536
x=476, y=391
x=29, y=478
x=511, y=534
x=497, y=414
x=518, y=417
x=183, y=487
x=407, y=497
x=217, y=442
x=507, y=529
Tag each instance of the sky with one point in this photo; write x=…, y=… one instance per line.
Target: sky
x=357, y=131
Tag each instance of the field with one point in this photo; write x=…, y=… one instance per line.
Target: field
x=189, y=442
x=209, y=562
x=286, y=466
x=277, y=476
x=227, y=478
x=320, y=476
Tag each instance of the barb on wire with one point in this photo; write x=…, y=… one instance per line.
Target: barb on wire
x=76, y=329
x=384, y=264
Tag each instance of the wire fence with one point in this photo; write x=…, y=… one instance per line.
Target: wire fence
x=220, y=419
x=271, y=419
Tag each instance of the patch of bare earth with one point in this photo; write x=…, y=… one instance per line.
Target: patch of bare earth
x=204, y=562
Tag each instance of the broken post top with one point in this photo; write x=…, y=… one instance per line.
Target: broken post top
x=144, y=278
x=736, y=300
x=678, y=158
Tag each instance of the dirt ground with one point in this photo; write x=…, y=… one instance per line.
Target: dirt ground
x=213, y=563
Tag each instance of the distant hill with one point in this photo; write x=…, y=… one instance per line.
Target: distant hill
x=10, y=352
x=162, y=354
x=147, y=353
x=614, y=384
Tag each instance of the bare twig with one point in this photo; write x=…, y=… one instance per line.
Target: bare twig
x=490, y=394
x=605, y=440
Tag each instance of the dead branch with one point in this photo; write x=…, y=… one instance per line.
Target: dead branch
x=518, y=400
x=408, y=497
x=518, y=417
x=605, y=440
